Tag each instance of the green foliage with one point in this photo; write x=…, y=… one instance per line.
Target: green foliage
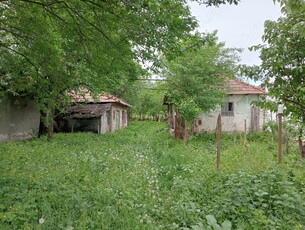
x=141, y=178
x=147, y=100
x=217, y=2
x=282, y=60
x=188, y=109
x=197, y=78
x=269, y=198
x=291, y=6
x=48, y=48
x=226, y=225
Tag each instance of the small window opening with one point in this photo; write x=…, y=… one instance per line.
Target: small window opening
x=227, y=109
x=230, y=106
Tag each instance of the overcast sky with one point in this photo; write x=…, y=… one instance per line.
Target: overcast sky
x=238, y=26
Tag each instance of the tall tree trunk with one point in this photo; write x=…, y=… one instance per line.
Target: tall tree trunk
x=50, y=120
x=186, y=135
x=177, y=126
x=301, y=147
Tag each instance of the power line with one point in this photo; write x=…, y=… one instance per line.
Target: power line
x=156, y=89
x=150, y=79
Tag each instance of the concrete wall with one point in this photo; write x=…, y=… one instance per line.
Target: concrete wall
x=19, y=119
x=242, y=112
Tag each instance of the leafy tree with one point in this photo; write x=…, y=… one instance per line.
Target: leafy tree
x=217, y=2
x=48, y=47
x=196, y=80
x=283, y=58
x=147, y=99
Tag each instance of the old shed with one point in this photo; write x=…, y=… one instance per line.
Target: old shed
x=101, y=114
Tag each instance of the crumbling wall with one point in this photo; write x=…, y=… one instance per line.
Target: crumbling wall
x=19, y=119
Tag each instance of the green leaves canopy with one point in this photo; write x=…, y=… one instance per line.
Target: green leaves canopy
x=91, y=37
x=283, y=58
x=48, y=47
x=196, y=79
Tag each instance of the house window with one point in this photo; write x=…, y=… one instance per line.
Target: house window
x=227, y=109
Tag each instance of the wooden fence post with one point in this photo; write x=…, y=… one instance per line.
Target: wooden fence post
x=245, y=137
x=218, y=137
x=234, y=138
x=280, y=114
x=186, y=135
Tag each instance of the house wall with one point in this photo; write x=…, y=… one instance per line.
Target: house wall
x=242, y=112
x=19, y=119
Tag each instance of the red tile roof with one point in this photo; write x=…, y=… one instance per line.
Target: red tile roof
x=84, y=95
x=239, y=87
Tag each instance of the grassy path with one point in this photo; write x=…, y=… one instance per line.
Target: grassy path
x=140, y=178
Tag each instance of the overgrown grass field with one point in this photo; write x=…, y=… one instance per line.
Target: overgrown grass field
x=141, y=178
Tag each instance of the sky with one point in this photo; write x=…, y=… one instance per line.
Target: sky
x=238, y=26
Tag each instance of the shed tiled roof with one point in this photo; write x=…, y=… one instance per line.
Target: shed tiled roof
x=239, y=87
x=87, y=110
x=84, y=95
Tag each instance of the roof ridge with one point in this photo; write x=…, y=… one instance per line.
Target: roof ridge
x=85, y=95
x=241, y=87
x=253, y=86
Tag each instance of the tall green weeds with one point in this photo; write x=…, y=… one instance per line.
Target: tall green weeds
x=141, y=178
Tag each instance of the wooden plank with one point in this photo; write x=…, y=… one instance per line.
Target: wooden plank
x=218, y=140
x=245, y=137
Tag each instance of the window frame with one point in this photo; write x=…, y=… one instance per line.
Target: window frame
x=227, y=110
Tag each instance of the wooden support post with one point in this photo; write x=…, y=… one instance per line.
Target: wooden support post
x=72, y=126
x=245, y=137
x=186, y=135
x=280, y=138
x=111, y=120
x=234, y=138
x=218, y=140
x=99, y=125
x=178, y=126
x=280, y=113
x=300, y=141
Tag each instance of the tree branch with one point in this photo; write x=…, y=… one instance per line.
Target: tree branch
x=22, y=55
x=100, y=6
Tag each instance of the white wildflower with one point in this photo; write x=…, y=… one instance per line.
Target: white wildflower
x=41, y=220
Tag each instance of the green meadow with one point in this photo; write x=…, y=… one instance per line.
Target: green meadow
x=141, y=178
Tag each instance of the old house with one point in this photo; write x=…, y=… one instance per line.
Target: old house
x=237, y=109
x=101, y=114
x=19, y=118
